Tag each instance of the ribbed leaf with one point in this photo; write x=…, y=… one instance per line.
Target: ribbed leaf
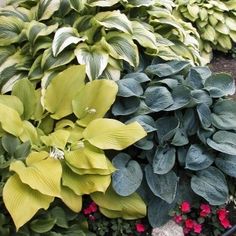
x=130, y=207
x=18, y=197
x=58, y=139
x=46, y=182
x=112, y=134
x=85, y=184
x=10, y=30
x=72, y=200
x=62, y=90
x=143, y=35
x=114, y=19
x=24, y=90
x=5, y=52
x=88, y=157
x=36, y=29
x=46, y=8
x=94, y=58
x=12, y=102
x=94, y=100
x=121, y=46
x=64, y=37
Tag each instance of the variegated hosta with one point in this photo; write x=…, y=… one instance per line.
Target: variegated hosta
x=40, y=37
x=214, y=20
x=64, y=124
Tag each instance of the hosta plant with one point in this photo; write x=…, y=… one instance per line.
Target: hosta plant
x=39, y=38
x=190, y=149
x=214, y=20
x=63, y=135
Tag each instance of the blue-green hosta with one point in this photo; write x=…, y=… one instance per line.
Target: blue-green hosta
x=39, y=38
x=214, y=20
x=63, y=122
x=190, y=149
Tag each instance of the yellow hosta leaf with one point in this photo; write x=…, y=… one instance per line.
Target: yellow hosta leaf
x=29, y=133
x=72, y=200
x=84, y=184
x=130, y=207
x=12, y=102
x=43, y=176
x=88, y=157
x=10, y=120
x=76, y=134
x=62, y=90
x=112, y=134
x=57, y=139
x=35, y=157
x=22, y=202
x=94, y=100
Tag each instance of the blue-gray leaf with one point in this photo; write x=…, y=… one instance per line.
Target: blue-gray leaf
x=198, y=158
x=128, y=176
x=163, y=186
x=129, y=87
x=211, y=185
x=164, y=160
x=204, y=115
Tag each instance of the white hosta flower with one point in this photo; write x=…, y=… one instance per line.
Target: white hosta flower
x=56, y=153
x=90, y=110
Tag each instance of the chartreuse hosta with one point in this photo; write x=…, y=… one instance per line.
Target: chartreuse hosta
x=64, y=125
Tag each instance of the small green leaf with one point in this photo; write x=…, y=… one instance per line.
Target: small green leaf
x=42, y=225
x=24, y=90
x=77, y=5
x=10, y=143
x=102, y=3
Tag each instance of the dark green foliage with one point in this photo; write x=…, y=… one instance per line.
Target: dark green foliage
x=191, y=129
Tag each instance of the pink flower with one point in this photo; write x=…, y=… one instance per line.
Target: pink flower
x=205, y=210
x=225, y=223
x=189, y=224
x=140, y=228
x=178, y=219
x=185, y=207
x=90, y=209
x=197, y=228
x=222, y=213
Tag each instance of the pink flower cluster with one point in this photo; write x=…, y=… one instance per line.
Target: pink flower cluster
x=205, y=210
x=92, y=208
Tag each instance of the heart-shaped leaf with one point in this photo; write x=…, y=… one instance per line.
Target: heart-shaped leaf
x=128, y=176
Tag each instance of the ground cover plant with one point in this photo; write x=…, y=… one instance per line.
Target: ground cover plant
x=189, y=151
x=100, y=104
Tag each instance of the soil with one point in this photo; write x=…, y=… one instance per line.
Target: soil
x=223, y=63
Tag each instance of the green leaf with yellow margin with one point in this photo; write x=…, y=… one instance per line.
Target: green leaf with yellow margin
x=95, y=58
x=22, y=202
x=112, y=134
x=62, y=90
x=56, y=139
x=84, y=184
x=121, y=46
x=46, y=8
x=10, y=120
x=130, y=207
x=72, y=200
x=24, y=90
x=43, y=176
x=114, y=19
x=94, y=100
